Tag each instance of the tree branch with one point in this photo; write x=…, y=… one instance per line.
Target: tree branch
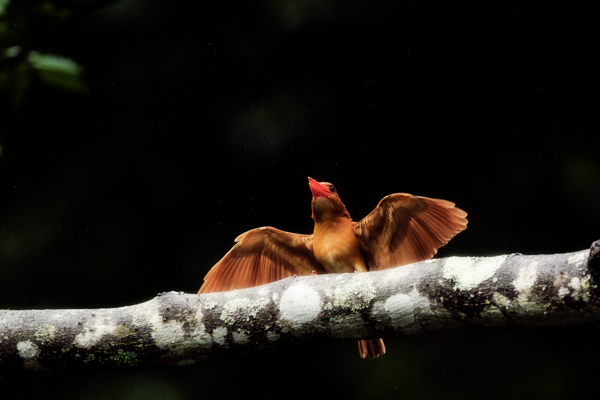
x=179, y=329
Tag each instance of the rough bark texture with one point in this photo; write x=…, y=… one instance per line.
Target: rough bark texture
x=179, y=329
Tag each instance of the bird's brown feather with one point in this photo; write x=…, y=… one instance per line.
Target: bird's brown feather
x=371, y=347
x=403, y=229
x=261, y=256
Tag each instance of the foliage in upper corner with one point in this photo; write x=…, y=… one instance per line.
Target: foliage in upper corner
x=58, y=71
x=3, y=5
x=49, y=69
x=22, y=65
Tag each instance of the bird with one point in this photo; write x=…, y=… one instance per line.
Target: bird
x=401, y=230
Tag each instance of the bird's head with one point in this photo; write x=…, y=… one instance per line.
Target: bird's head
x=321, y=189
x=325, y=202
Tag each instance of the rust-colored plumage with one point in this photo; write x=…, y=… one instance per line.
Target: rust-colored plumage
x=402, y=229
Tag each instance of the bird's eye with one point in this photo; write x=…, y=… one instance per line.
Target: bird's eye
x=331, y=188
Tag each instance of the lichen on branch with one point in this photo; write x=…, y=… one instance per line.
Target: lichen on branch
x=180, y=329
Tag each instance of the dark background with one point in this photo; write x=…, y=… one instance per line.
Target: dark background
x=191, y=122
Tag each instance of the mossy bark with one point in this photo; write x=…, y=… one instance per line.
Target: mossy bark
x=180, y=329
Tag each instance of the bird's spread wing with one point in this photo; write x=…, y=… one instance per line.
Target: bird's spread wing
x=261, y=256
x=403, y=229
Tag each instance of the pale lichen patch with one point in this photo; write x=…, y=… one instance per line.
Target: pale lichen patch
x=240, y=337
x=163, y=333
x=575, y=284
x=242, y=308
x=578, y=257
x=27, y=349
x=585, y=286
x=357, y=294
x=500, y=300
x=199, y=314
x=122, y=331
x=45, y=334
x=219, y=335
x=299, y=304
x=491, y=313
x=211, y=305
x=272, y=336
x=403, y=310
x=563, y=291
x=93, y=332
x=524, y=283
x=468, y=272
x=526, y=277
x=580, y=288
x=170, y=333
x=199, y=333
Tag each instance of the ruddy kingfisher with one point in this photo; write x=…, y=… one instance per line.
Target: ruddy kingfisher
x=401, y=230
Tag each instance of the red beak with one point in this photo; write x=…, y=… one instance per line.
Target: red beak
x=317, y=189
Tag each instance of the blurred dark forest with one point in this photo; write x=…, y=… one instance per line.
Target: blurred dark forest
x=139, y=138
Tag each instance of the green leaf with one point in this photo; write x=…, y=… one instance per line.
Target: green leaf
x=3, y=5
x=58, y=71
x=49, y=62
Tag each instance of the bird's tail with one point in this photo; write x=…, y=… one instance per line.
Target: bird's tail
x=371, y=347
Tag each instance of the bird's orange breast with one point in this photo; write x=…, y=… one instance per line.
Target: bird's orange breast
x=335, y=247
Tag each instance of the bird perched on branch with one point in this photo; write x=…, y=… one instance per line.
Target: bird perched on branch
x=402, y=229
